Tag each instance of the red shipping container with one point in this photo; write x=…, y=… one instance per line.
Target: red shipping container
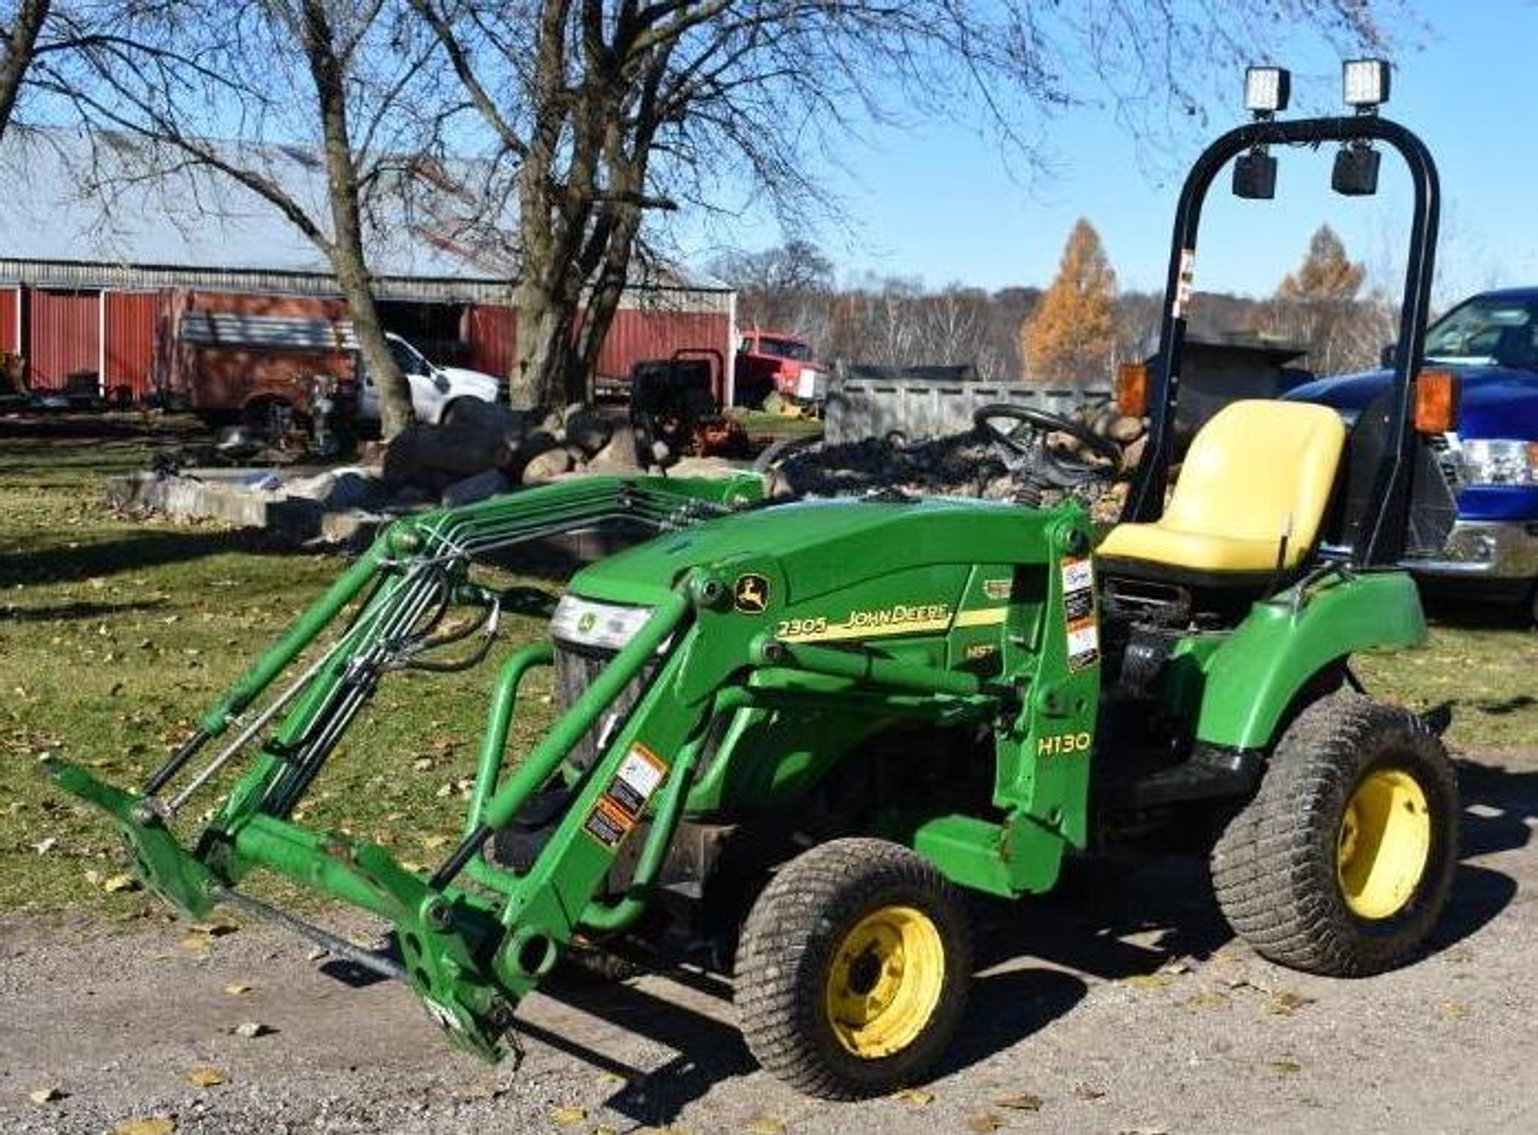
x=638, y=334
x=129, y=356
x=10, y=320
x=63, y=336
x=492, y=333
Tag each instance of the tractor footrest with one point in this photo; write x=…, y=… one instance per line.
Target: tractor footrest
x=1208, y=774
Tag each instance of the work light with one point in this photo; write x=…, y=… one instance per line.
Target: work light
x=1365, y=83
x=1255, y=175
x=1266, y=89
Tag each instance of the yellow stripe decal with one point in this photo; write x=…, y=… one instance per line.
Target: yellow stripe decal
x=847, y=632
x=982, y=617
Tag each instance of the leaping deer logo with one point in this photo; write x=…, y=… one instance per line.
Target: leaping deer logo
x=750, y=594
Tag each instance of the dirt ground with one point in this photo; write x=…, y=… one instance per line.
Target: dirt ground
x=1121, y=1004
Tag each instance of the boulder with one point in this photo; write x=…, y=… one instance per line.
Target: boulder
x=490, y=483
x=437, y=456
x=587, y=430
x=618, y=456
x=547, y=465
x=1126, y=429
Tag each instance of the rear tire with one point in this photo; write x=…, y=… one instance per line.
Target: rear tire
x=1342, y=863
x=853, y=969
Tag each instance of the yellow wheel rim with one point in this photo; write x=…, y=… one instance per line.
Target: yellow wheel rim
x=1383, y=844
x=884, y=981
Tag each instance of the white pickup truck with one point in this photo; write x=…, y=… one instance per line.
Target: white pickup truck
x=434, y=389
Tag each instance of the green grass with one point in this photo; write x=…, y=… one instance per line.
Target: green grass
x=115, y=633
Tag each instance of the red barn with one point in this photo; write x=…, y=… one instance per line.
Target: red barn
x=90, y=296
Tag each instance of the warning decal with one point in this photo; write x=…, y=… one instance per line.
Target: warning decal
x=607, y=824
x=1079, y=613
x=639, y=775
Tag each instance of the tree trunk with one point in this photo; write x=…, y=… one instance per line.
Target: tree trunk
x=346, y=248
x=30, y=16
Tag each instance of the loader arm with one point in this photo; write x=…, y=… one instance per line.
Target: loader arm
x=385, y=613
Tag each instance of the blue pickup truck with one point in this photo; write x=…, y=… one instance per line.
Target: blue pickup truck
x=1491, y=461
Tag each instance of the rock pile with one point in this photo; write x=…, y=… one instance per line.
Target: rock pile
x=486, y=449
x=974, y=464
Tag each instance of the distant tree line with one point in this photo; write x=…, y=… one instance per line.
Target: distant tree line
x=1074, y=332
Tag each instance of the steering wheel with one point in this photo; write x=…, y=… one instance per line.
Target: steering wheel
x=1037, y=424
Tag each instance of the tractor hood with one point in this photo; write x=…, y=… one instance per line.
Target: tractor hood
x=1496, y=402
x=813, y=548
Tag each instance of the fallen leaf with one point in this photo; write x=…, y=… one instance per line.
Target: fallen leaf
x=215, y=929
x=237, y=990
x=985, y=1122
x=1286, y=1003
x=1205, y=999
x=765, y=1125
x=1286, y=1067
x=433, y=842
x=568, y=1115
x=1147, y=980
x=197, y=942
x=46, y=1095
x=1455, y=1010
x=914, y=1097
x=251, y=1029
x=205, y=1076
x=157, y=1125
x=43, y=847
x=1019, y=1101
x=124, y=882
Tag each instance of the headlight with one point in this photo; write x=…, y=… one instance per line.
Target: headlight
x=1500, y=461
x=585, y=622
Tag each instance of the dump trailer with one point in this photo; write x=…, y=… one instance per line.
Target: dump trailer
x=796, y=735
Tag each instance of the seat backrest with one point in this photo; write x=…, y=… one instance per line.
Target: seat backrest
x=1258, y=469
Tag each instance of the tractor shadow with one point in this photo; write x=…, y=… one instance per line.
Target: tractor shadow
x=1117, y=917
x=1111, y=918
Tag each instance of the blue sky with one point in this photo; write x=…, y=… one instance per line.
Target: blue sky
x=940, y=205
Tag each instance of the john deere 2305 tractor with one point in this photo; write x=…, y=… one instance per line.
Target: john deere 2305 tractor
x=795, y=734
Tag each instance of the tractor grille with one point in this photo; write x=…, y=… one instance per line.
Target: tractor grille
x=575, y=669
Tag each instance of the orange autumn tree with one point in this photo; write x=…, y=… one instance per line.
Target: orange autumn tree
x=1071, y=336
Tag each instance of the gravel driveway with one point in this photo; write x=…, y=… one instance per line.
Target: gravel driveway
x=1119, y=1005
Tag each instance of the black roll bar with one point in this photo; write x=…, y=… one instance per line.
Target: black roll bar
x=1381, y=538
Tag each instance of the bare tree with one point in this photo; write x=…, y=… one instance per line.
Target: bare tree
x=613, y=113
x=786, y=288
x=20, y=35
x=327, y=74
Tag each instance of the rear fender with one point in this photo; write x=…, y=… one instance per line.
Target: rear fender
x=1252, y=678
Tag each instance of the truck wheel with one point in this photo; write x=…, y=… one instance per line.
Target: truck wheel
x=853, y=969
x=268, y=419
x=1342, y=863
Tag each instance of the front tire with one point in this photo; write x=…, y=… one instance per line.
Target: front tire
x=853, y=969
x=1342, y=863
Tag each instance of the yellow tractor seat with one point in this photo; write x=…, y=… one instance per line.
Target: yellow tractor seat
x=1256, y=472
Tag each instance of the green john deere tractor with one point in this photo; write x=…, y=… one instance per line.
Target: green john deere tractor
x=795, y=734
